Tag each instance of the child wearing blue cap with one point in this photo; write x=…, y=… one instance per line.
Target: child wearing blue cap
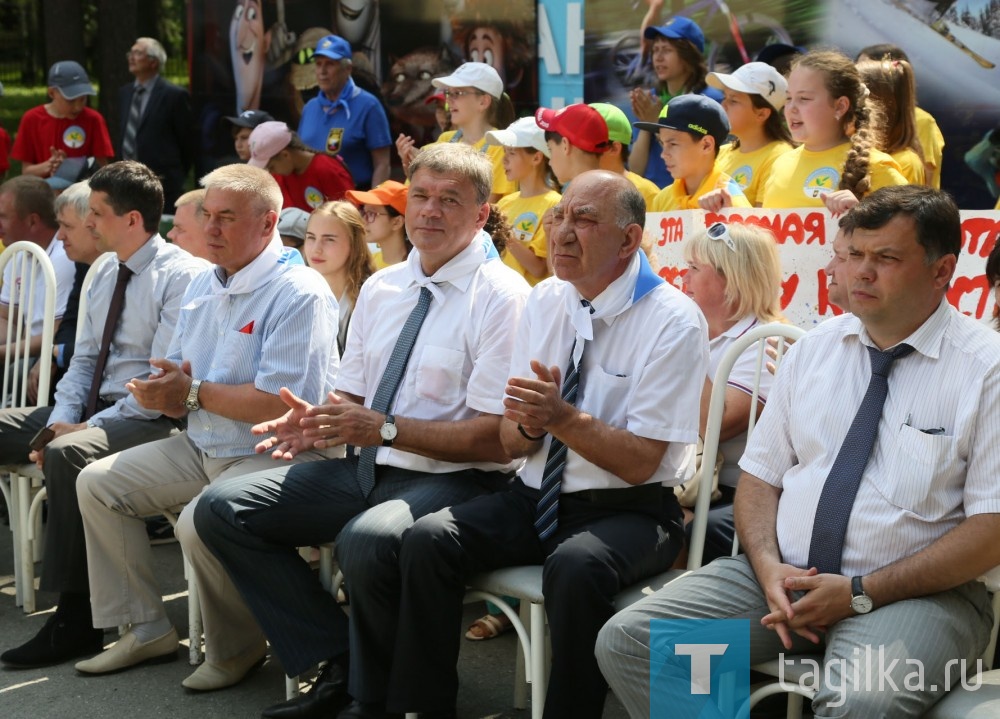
x=691, y=128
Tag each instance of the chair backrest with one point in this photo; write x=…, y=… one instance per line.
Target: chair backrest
x=30, y=265
x=88, y=280
x=784, y=333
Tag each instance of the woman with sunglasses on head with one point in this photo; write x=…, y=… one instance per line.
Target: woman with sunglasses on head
x=734, y=276
x=477, y=104
x=383, y=209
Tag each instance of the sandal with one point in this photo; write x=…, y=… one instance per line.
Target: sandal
x=489, y=626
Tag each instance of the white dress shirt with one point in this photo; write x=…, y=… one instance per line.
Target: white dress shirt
x=935, y=462
x=65, y=271
x=639, y=368
x=458, y=367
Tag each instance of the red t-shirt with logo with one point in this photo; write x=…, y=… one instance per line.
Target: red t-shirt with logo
x=4, y=151
x=326, y=178
x=85, y=135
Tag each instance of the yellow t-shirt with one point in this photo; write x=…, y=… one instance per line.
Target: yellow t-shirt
x=525, y=217
x=801, y=177
x=750, y=169
x=997, y=205
x=647, y=188
x=501, y=185
x=910, y=165
x=675, y=196
x=932, y=143
x=379, y=261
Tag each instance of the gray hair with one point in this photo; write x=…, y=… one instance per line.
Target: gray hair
x=192, y=197
x=630, y=206
x=154, y=50
x=77, y=197
x=455, y=158
x=251, y=182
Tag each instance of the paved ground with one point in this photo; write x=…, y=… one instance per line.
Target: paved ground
x=486, y=672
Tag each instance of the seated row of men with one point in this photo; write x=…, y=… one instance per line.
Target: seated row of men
x=486, y=427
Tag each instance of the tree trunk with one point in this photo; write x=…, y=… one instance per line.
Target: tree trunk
x=62, y=21
x=118, y=23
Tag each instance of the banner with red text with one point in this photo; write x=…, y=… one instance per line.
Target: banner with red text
x=805, y=240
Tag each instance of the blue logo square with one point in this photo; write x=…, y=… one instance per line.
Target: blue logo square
x=698, y=668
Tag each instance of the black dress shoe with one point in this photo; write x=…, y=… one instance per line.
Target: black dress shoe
x=365, y=710
x=327, y=696
x=57, y=642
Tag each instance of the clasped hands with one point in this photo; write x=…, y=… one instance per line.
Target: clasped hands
x=826, y=599
x=305, y=426
x=536, y=403
x=166, y=390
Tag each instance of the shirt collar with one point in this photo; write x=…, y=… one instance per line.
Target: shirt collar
x=459, y=270
x=148, y=84
x=741, y=326
x=142, y=257
x=349, y=91
x=927, y=338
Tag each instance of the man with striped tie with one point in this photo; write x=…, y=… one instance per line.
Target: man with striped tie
x=869, y=501
x=600, y=404
x=419, y=401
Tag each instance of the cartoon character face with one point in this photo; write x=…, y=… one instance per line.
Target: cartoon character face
x=486, y=45
x=248, y=45
x=354, y=17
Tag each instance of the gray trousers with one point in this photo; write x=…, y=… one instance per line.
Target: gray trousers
x=952, y=625
x=64, y=562
x=254, y=523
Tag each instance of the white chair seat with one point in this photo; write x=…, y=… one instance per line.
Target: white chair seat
x=962, y=703
x=524, y=582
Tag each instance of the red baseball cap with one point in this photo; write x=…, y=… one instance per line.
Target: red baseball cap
x=581, y=124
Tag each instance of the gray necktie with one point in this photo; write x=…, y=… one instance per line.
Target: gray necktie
x=389, y=383
x=132, y=127
x=841, y=487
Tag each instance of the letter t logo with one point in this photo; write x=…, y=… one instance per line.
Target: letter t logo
x=701, y=663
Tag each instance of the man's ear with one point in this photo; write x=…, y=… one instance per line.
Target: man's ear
x=631, y=240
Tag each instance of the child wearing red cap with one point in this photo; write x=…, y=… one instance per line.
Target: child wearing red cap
x=576, y=136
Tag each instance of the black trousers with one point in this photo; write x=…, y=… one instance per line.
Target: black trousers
x=605, y=541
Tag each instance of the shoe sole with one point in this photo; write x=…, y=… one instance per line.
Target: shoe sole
x=162, y=659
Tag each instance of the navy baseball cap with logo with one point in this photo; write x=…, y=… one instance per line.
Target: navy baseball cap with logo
x=678, y=28
x=333, y=47
x=71, y=79
x=250, y=118
x=695, y=114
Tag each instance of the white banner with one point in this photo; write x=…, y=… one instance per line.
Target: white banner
x=805, y=240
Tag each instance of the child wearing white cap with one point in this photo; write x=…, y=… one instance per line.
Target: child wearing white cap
x=525, y=161
x=477, y=104
x=753, y=97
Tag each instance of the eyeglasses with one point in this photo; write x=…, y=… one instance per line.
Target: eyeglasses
x=720, y=232
x=135, y=53
x=448, y=94
x=370, y=216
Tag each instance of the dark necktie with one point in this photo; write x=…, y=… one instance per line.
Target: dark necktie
x=132, y=126
x=841, y=487
x=547, y=511
x=389, y=383
x=114, y=314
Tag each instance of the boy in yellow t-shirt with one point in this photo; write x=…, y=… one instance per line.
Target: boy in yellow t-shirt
x=691, y=129
x=616, y=158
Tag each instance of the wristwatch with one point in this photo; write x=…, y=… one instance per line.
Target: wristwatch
x=388, y=430
x=192, y=402
x=861, y=603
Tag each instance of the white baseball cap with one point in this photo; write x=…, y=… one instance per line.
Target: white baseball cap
x=754, y=78
x=473, y=74
x=523, y=132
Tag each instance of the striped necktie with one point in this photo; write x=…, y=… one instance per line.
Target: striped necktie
x=132, y=127
x=547, y=511
x=841, y=487
x=389, y=383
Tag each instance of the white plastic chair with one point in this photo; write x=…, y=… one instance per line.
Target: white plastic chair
x=17, y=482
x=525, y=582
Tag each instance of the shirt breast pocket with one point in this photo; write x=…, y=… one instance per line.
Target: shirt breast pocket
x=238, y=358
x=606, y=396
x=921, y=468
x=439, y=374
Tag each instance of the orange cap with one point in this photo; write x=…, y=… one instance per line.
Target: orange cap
x=390, y=193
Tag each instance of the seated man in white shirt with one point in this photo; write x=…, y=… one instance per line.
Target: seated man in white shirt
x=27, y=214
x=604, y=446
x=869, y=502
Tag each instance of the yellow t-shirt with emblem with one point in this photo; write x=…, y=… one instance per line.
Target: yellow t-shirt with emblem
x=750, y=169
x=801, y=177
x=676, y=197
x=379, y=261
x=647, y=188
x=910, y=165
x=931, y=142
x=501, y=185
x=525, y=217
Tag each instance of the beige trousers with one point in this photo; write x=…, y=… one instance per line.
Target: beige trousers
x=116, y=494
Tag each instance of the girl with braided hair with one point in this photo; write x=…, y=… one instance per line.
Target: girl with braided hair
x=829, y=111
x=892, y=83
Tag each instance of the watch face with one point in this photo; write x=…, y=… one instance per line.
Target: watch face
x=388, y=431
x=862, y=604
